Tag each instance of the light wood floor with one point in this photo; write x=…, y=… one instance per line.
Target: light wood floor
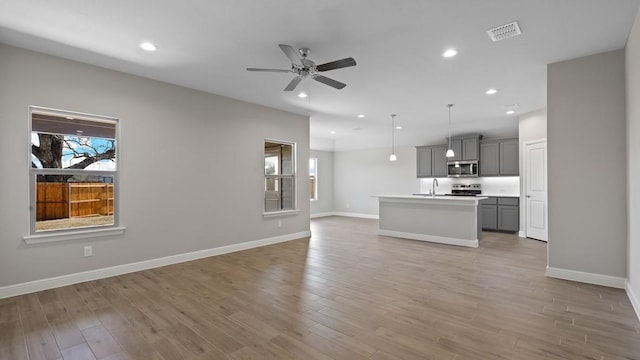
x=346, y=293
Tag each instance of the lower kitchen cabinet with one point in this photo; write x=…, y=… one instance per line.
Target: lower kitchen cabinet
x=501, y=213
x=489, y=217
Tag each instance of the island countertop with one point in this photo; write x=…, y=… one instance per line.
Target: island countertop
x=433, y=198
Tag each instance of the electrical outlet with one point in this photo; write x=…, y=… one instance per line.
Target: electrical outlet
x=88, y=251
x=279, y=223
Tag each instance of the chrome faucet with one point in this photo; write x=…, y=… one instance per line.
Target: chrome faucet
x=433, y=187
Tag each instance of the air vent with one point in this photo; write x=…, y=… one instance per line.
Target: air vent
x=504, y=31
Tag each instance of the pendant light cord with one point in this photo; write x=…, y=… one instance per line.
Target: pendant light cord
x=393, y=127
x=449, y=106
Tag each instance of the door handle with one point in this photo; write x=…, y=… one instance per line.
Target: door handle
x=528, y=196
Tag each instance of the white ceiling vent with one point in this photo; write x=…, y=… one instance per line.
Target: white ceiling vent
x=504, y=31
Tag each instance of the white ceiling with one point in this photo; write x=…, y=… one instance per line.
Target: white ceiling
x=207, y=44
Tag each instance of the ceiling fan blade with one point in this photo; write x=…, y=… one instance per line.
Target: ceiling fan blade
x=292, y=85
x=291, y=53
x=269, y=70
x=328, y=81
x=338, y=64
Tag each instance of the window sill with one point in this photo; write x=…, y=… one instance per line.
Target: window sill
x=43, y=238
x=280, y=213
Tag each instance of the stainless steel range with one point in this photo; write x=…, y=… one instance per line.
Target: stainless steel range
x=466, y=189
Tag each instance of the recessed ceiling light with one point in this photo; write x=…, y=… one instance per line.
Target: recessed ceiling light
x=79, y=131
x=511, y=112
x=302, y=95
x=69, y=118
x=399, y=127
x=333, y=132
x=450, y=53
x=360, y=116
x=147, y=46
x=491, y=91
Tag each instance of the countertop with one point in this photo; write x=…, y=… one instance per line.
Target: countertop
x=429, y=197
x=501, y=195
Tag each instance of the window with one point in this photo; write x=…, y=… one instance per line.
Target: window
x=279, y=176
x=74, y=175
x=313, y=178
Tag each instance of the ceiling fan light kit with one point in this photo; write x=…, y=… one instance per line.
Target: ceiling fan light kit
x=304, y=68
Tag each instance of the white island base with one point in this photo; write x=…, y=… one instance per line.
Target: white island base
x=452, y=220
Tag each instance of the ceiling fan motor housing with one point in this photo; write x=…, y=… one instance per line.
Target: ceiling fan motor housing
x=304, y=52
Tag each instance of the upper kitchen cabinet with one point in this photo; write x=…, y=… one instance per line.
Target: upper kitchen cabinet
x=499, y=157
x=439, y=161
x=465, y=147
x=509, y=157
x=431, y=161
x=489, y=158
x=456, y=146
x=423, y=156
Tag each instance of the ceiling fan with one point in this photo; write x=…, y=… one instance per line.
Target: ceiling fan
x=303, y=68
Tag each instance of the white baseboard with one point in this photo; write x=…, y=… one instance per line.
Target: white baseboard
x=584, y=277
x=430, y=238
x=522, y=234
x=635, y=302
x=355, y=215
x=319, y=215
x=64, y=280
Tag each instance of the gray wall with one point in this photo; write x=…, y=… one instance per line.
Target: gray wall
x=361, y=174
x=191, y=166
x=633, y=160
x=587, y=153
x=324, y=204
x=531, y=126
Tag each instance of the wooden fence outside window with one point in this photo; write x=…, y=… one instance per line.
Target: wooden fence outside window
x=66, y=200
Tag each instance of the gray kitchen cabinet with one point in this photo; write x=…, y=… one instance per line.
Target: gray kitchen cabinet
x=439, y=161
x=499, y=157
x=489, y=209
x=456, y=146
x=508, y=218
x=470, y=149
x=500, y=213
x=465, y=148
x=509, y=157
x=431, y=160
x=489, y=159
x=423, y=157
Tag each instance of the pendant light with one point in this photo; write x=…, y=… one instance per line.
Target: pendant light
x=450, y=152
x=393, y=157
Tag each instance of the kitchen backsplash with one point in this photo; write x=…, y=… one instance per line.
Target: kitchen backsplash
x=503, y=185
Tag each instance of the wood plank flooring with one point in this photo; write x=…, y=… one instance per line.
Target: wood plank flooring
x=346, y=293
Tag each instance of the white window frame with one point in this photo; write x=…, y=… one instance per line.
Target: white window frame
x=38, y=237
x=293, y=176
x=315, y=178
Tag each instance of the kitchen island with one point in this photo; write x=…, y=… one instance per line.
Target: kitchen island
x=452, y=220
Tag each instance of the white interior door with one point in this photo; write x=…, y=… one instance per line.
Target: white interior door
x=536, y=190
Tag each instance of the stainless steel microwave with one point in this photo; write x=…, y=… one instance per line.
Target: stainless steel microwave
x=462, y=168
